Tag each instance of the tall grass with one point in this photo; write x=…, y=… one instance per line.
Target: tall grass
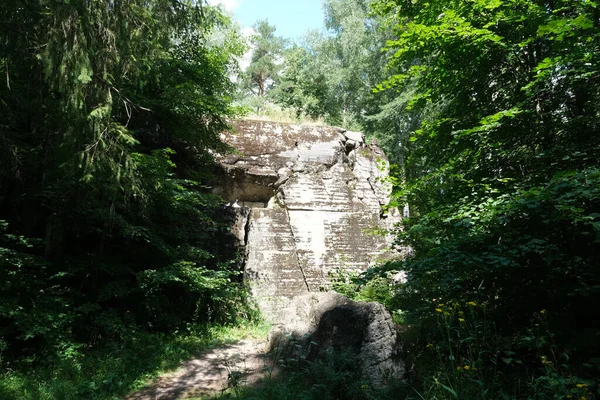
x=470, y=360
x=263, y=110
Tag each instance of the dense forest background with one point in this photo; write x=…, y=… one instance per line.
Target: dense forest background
x=111, y=244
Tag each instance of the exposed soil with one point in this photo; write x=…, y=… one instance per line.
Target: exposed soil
x=227, y=366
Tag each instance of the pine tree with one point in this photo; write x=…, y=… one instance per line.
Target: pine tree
x=266, y=62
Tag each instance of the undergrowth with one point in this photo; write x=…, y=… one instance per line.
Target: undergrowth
x=457, y=351
x=260, y=109
x=335, y=376
x=466, y=357
x=114, y=370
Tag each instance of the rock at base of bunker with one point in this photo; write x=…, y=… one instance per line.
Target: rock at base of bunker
x=318, y=322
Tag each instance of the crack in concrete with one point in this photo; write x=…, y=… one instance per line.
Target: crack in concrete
x=287, y=212
x=372, y=187
x=247, y=230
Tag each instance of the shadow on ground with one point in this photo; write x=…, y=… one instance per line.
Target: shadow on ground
x=242, y=363
x=115, y=370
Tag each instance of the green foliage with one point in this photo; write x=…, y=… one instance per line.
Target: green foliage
x=501, y=174
x=330, y=75
x=269, y=111
x=267, y=48
x=472, y=361
x=108, y=228
x=303, y=85
x=115, y=369
x=364, y=287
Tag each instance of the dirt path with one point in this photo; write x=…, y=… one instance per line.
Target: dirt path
x=242, y=363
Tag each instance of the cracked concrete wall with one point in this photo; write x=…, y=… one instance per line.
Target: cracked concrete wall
x=310, y=202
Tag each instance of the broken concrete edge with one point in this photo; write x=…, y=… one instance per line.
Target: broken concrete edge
x=302, y=134
x=254, y=166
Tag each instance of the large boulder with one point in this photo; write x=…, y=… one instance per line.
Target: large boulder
x=324, y=321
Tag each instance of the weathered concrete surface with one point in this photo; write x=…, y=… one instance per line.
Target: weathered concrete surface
x=272, y=260
x=318, y=322
x=316, y=195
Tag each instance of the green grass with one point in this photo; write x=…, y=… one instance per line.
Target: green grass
x=275, y=113
x=112, y=371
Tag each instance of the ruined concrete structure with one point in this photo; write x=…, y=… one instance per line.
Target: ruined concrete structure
x=309, y=202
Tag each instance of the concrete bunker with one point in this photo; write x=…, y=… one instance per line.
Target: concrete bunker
x=303, y=199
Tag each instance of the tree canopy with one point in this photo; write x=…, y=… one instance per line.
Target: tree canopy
x=489, y=108
x=502, y=178
x=266, y=62
x=331, y=74
x=109, y=110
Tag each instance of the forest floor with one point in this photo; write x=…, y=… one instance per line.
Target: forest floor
x=228, y=366
x=199, y=361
